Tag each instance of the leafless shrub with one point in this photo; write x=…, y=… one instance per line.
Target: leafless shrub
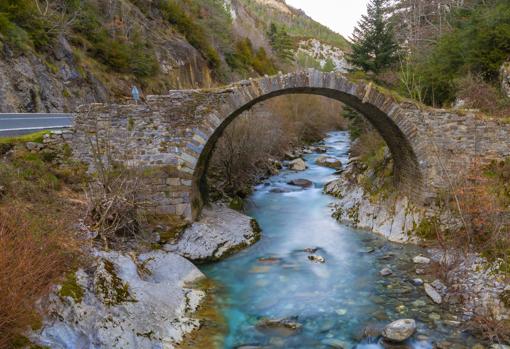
x=478, y=94
x=115, y=209
x=243, y=152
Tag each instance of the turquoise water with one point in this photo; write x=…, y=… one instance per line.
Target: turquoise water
x=335, y=302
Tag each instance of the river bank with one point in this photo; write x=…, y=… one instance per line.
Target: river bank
x=311, y=282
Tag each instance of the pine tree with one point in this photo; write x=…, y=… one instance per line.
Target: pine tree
x=374, y=47
x=281, y=42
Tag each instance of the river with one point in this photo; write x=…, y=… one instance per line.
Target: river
x=340, y=303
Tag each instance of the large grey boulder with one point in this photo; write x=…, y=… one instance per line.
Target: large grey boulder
x=219, y=233
x=329, y=162
x=400, y=330
x=124, y=301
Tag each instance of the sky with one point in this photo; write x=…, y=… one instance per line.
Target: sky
x=339, y=15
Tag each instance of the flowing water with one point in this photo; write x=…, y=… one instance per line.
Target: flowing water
x=339, y=303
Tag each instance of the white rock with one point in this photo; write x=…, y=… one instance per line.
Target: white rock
x=297, y=165
x=400, y=330
x=123, y=307
x=421, y=260
x=433, y=294
x=317, y=259
x=386, y=272
x=219, y=232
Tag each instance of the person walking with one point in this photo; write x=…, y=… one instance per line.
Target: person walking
x=135, y=93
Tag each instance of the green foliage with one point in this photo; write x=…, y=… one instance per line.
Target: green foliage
x=245, y=58
x=374, y=47
x=125, y=55
x=329, y=66
x=22, y=26
x=304, y=60
x=357, y=123
x=193, y=32
x=296, y=24
x=478, y=44
x=281, y=42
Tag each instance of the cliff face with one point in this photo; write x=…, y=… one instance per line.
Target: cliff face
x=99, y=49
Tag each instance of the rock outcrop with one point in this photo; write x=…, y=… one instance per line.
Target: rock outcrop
x=504, y=74
x=124, y=301
x=218, y=233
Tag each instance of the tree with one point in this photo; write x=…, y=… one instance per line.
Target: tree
x=374, y=47
x=281, y=42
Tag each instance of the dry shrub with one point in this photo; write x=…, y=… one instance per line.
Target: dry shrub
x=114, y=209
x=484, y=212
x=490, y=327
x=35, y=251
x=479, y=94
x=267, y=131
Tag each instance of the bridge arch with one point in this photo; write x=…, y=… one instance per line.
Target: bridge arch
x=380, y=110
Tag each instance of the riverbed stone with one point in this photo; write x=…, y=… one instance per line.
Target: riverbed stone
x=285, y=326
x=417, y=282
x=317, y=259
x=303, y=183
x=297, y=165
x=421, y=260
x=330, y=162
x=385, y=272
x=218, y=233
x=400, y=330
x=433, y=294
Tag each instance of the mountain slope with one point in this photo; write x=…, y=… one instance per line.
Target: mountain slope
x=83, y=51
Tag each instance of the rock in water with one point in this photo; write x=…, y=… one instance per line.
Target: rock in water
x=303, y=183
x=417, y=282
x=400, y=330
x=317, y=259
x=433, y=294
x=285, y=327
x=297, y=165
x=421, y=260
x=219, y=233
x=386, y=272
x=329, y=162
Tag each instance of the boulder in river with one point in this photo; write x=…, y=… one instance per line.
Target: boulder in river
x=421, y=260
x=303, y=183
x=285, y=326
x=417, y=282
x=433, y=294
x=329, y=162
x=311, y=249
x=317, y=259
x=400, y=330
x=297, y=165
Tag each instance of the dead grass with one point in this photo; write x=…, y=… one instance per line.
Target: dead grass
x=38, y=245
x=35, y=251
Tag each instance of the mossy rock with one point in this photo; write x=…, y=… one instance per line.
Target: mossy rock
x=236, y=204
x=71, y=288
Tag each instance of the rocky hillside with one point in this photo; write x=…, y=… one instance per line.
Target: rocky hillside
x=55, y=57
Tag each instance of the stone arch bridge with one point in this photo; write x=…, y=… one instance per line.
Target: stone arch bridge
x=172, y=136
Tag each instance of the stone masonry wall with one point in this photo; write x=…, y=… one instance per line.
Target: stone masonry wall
x=171, y=137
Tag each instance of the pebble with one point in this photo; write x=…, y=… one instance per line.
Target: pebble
x=433, y=294
x=386, y=272
x=317, y=259
x=421, y=260
x=417, y=282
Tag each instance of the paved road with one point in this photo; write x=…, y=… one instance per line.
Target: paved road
x=18, y=124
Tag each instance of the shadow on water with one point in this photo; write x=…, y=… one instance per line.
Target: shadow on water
x=341, y=303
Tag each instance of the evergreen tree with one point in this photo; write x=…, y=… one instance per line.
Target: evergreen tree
x=374, y=47
x=281, y=42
